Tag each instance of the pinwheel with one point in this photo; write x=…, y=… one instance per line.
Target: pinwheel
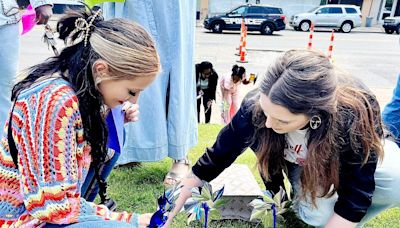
x=270, y=209
x=204, y=204
x=166, y=204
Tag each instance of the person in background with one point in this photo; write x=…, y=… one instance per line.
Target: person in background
x=9, y=45
x=168, y=126
x=391, y=114
x=206, y=86
x=230, y=92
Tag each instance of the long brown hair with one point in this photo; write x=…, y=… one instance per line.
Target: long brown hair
x=304, y=81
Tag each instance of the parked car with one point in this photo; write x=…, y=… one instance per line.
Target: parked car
x=343, y=17
x=265, y=19
x=392, y=24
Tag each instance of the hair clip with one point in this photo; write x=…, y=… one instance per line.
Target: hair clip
x=83, y=25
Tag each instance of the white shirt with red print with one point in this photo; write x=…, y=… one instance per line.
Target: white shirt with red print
x=296, y=146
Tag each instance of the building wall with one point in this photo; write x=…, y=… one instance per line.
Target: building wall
x=381, y=11
x=370, y=8
x=203, y=9
x=395, y=9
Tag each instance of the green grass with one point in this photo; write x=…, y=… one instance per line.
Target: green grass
x=136, y=189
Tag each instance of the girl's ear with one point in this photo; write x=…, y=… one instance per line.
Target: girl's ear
x=100, y=68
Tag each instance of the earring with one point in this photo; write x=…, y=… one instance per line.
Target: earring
x=315, y=122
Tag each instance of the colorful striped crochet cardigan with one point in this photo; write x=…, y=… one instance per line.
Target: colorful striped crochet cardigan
x=53, y=159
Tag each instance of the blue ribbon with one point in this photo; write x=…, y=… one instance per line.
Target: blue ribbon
x=206, y=209
x=274, y=214
x=158, y=219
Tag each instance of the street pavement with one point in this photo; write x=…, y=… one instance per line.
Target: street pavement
x=367, y=53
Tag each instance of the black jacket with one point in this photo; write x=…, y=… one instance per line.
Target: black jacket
x=356, y=181
x=212, y=83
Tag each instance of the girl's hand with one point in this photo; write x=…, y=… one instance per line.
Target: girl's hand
x=144, y=220
x=131, y=112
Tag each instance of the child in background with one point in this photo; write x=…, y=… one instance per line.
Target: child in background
x=230, y=92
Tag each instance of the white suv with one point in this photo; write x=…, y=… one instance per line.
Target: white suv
x=344, y=17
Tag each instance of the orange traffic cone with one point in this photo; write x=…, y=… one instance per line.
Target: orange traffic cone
x=330, y=49
x=243, y=48
x=311, y=36
x=242, y=28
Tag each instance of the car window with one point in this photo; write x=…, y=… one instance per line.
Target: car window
x=240, y=10
x=256, y=10
x=351, y=10
x=273, y=10
x=323, y=11
x=335, y=10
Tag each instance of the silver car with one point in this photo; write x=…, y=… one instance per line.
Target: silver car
x=343, y=17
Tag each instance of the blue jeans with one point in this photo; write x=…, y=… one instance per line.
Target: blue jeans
x=94, y=224
x=391, y=113
x=386, y=195
x=90, y=194
x=9, y=53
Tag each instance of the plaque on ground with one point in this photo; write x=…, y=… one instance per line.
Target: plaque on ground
x=240, y=189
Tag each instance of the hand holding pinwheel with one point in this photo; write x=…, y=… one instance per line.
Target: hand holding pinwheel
x=204, y=204
x=166, y=204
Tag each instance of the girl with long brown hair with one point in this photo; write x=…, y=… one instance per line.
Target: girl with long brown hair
x=324, y=130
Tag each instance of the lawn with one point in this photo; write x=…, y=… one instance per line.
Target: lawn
x=136, y=189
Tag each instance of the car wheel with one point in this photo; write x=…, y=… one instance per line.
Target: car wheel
x=305, y=26
x=217, y=27
x=389, y=31
x=267, y=29
x=398, y=29
x=346, y=27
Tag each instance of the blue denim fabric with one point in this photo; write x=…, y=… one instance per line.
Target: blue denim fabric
x=97, y=224
x=386, y=195
x=104, y=173
x=9, y=53
x=391, y=113
x=9, y=13
x=158, y=135
x=9, y=50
